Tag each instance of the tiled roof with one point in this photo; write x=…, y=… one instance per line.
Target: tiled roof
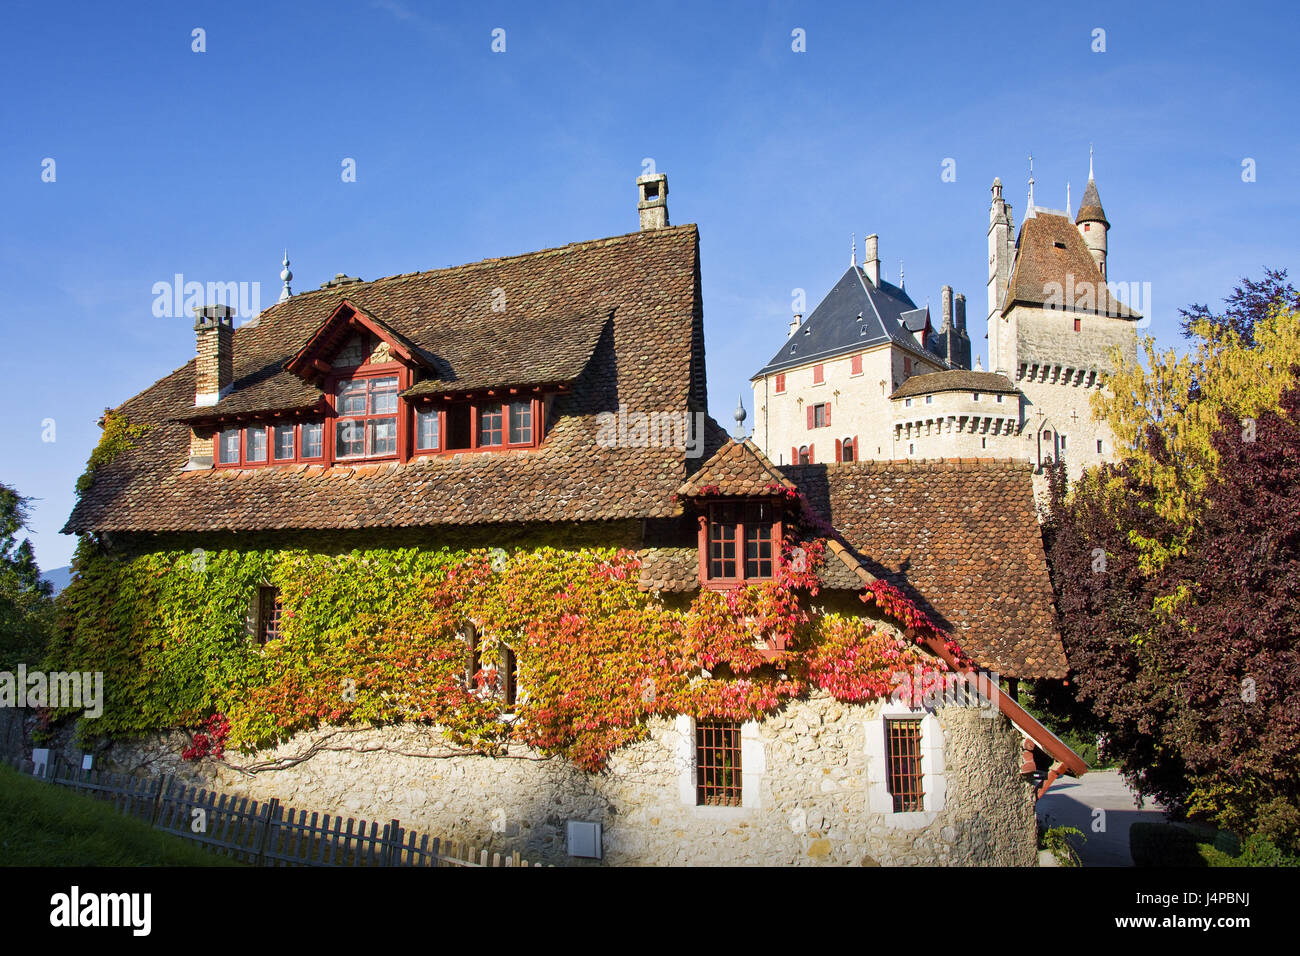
x=954, y=381
x=1051, y=250
x=855, y=315
x=649, y=357
x=738, y=468
x=961, y=538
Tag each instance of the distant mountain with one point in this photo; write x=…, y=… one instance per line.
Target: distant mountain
x=59, y=577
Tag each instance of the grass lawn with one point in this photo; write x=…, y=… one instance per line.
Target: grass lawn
x=46, y=825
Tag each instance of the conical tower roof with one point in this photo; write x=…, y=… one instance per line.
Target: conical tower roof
x=1090, y=206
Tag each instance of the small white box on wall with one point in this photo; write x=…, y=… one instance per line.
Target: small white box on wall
x=584, y=839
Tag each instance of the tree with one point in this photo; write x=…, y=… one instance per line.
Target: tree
x=25, y=606
x=1248, y=305
x=1164, y=415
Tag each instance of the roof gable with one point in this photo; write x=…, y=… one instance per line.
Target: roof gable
x=1053, y=264
x=738, y=468
x=347, y=327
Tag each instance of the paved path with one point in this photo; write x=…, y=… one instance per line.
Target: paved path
x=1071, y=803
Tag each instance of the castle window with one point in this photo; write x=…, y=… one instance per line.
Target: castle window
x=508, y=677
x=1078, y=325
x=984, y=443
x=929, y=399
x=903, y=764
x=911, y=449
x=1099, y=446
x=473, y=663
x=717, y=763
x=819, y=416
x=805, y=456
x=819, y=374
x=847, y=450
x=269, y=611
x=780, y=383
x=907, y=402
x=975, y=396
x=1000, y=397
x=855, y=365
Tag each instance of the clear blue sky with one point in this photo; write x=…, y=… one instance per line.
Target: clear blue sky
x=209, y=164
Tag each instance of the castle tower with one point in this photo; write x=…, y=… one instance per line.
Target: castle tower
x=1001, y=254
x=1092, y=221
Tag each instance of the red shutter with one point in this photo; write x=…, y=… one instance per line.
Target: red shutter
x=817, y=374
x=810, y=455
x=794, y=455
x=856, y=365
x=857, y=449
x=810, y=416
x=838, y=451
x=828, y=413
x=780, y=382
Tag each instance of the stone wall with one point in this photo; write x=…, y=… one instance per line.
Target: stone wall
x=807, y=773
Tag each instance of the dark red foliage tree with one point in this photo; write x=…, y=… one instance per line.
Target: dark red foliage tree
x=1248, y=303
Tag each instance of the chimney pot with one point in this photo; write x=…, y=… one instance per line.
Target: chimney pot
x=794, y=323
x=871, y=259
x=652, y=201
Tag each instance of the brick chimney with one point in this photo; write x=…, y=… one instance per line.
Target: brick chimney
x=653, y=201
x=214, y=370
x=214, y=373
x=960, y=319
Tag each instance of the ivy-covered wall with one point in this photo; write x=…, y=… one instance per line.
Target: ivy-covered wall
x=374, y=635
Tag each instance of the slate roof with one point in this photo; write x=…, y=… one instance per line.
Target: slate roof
x=621, y=317
x=955, y=380
x=855, y=315
x=1090, y=208
x=961, y=538
x=1050, y=250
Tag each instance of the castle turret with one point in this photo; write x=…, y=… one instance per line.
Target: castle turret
x=1001, y=253
x=1092, y=221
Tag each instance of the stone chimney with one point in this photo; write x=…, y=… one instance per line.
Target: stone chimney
x=653, y=201
x=960, y=319
x=871, y=259
x=214, y=370
x=794, y=324
x=946, y=299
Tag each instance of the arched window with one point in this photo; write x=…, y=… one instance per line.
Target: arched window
x=803, y=455
x=847, y=451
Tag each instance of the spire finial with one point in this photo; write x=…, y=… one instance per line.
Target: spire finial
x=1030, y=207
x=740, y=416
x=902, y=282
x=286, y=276
x=853, y=253
x=1090, y=161
x=1067, y=199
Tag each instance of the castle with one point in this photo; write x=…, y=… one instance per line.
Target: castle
x=867, y=376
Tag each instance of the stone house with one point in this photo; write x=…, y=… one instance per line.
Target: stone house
x=558, y=399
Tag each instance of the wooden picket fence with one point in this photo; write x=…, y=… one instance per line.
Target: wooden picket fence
x=266, y=833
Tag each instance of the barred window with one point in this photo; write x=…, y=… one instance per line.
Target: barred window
x=717, y=763
x=903, y=761
x=269, y=612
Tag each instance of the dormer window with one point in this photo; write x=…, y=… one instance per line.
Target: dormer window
x=366, y=424
x=739, y=542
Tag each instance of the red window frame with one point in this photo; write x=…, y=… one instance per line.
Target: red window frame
x=270, y=611
x=536, y=413
x=268, y=430
x=367, y=375
x=744, y=533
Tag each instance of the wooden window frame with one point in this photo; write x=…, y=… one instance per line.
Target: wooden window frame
x=904, y=774
x=537, y=409
x=365, y=373
x=739, y=541
x=270, y=613
x=719, y=773
x=268, y=429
